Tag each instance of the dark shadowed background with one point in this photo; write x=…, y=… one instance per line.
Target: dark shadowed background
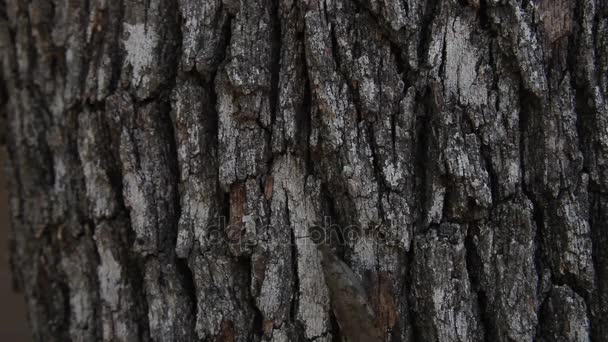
x=13, y=325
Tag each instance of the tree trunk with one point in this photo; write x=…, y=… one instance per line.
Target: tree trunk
x=311, y=170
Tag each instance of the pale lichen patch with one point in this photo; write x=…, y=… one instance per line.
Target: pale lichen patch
x=140, y=45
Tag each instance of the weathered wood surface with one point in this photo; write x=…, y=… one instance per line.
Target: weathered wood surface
x=168, y=157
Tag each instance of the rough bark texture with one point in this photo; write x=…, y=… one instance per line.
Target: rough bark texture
x=169, y=158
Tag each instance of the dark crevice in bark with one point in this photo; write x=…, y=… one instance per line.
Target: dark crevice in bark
x=493, y=176
x=275, y=66
x=334, y=50
x=332, y=223
x=482, y=14
x=135, y=266
x=304, y=113
x=117, y=54
x=474, y=266
x=245, y=269
x=404, y=73
x=418, y=331
x=64, y=327
x=3, y=93
x=597, y=221
x=97, y=310
x=431, y=11
x=258, y=324
x=542, y=318
x=3, y=9
x=304, y=122
x=112, y=167
x=84, y=21
x=382, y=187
x=187, y=278
x=422, y=162
x=584, y=126
x=225, y=46
x=335, y=329
x=442, y=63
x=408, y=284
x=170, y=139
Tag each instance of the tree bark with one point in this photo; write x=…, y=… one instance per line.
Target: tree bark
x=174, y=162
